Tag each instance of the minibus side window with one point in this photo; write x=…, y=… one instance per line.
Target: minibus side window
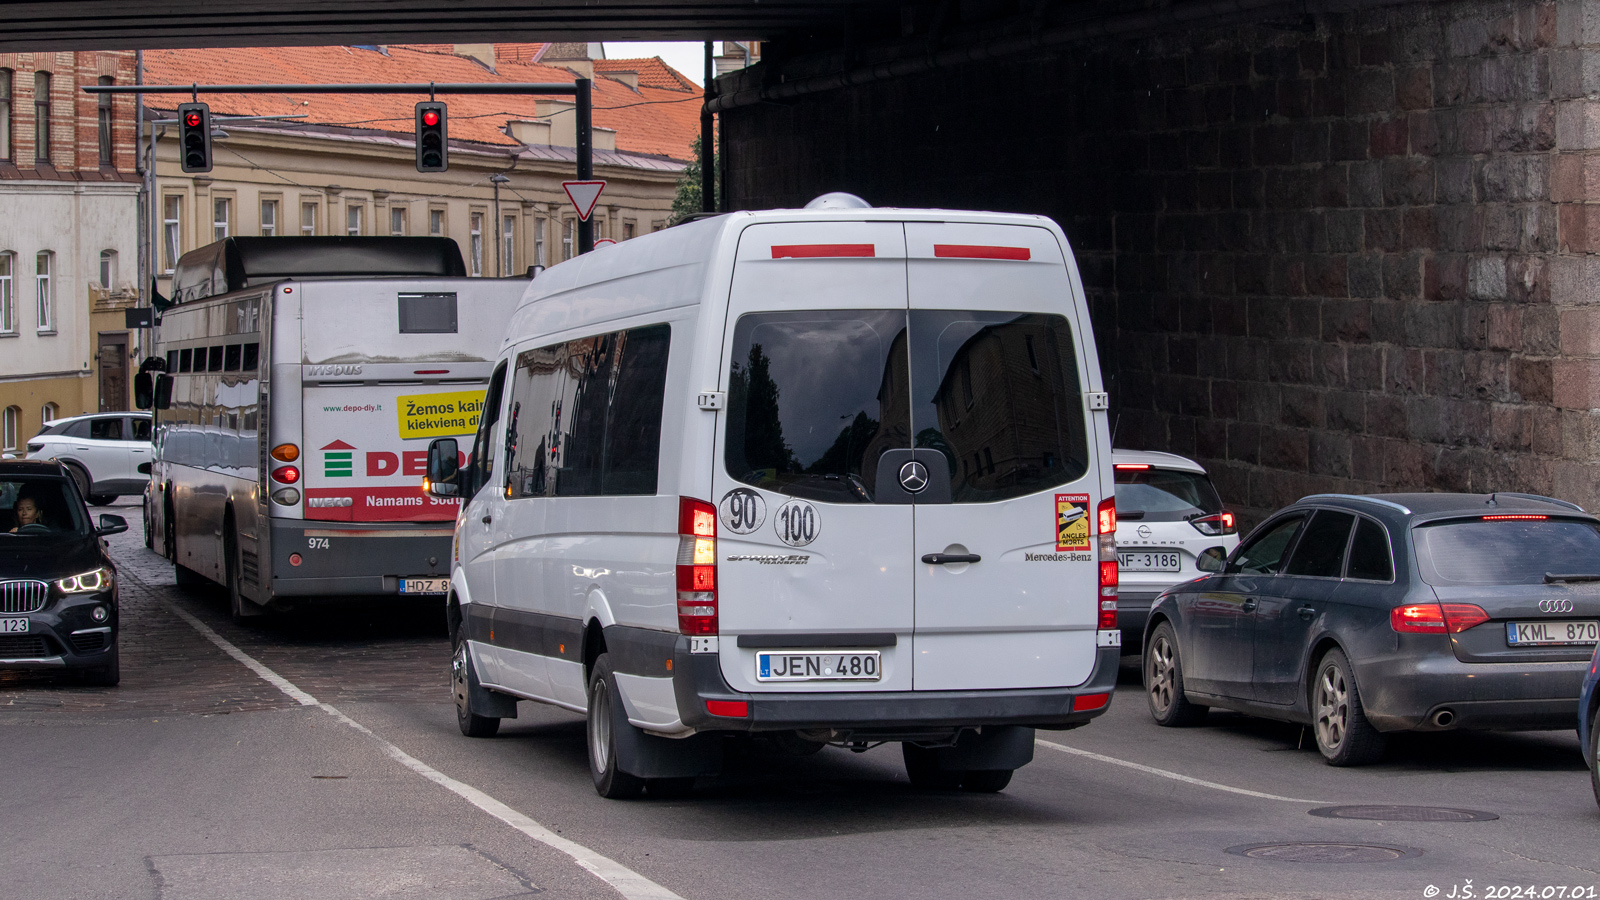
x=480, y=468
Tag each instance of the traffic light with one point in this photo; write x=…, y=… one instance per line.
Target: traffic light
x=433, y=146
x=194, y=137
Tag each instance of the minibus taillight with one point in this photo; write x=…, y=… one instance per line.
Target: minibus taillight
x=697, y=567
x=1436, y=618
x=1106, y=517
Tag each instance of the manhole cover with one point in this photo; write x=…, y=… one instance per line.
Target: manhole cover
x=1314, y=852
x=1405, y=813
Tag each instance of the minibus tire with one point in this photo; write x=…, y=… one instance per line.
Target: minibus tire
x=922, y=767
x=463, y=684
x=986, y=781
x=605, y=717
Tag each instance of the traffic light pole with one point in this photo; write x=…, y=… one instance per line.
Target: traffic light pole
x=581, y=91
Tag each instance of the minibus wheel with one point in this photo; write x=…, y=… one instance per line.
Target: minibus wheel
x=605, y=717
x=463, y=682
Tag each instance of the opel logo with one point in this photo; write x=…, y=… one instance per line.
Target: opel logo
x=1144, y=531
x=913, y=476
x=1547, y=605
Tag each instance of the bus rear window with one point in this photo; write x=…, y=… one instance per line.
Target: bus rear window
x=428, y=313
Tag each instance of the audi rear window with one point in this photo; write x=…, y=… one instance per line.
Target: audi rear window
x=1506, y=551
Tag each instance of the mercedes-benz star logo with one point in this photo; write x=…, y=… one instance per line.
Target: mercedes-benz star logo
x=913, y=476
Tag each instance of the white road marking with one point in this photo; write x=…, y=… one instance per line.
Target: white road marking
x=1152, y=770
x=627, y=882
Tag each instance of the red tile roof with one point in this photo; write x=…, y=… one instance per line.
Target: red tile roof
x=661, y=118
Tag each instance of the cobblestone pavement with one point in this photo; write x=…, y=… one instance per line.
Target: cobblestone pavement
x=367, y=651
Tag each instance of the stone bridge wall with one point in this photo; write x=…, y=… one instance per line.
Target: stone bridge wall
x=1350, y=252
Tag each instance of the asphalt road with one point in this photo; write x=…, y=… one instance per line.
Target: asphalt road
x=199, y=778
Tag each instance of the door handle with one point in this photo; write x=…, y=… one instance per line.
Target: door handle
x=488, y=519
x=939, y=559
x=1306, y=612
x=1249, y=604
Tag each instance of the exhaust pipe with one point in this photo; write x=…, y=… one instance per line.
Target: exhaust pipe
x=1444, y=718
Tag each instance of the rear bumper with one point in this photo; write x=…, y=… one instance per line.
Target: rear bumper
x=1404, y=694
x=698, y=679
x=359, y=559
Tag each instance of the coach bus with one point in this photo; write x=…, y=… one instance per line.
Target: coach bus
x=296, y=383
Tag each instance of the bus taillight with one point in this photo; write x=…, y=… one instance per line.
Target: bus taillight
x=286, y=474
x=286, y=453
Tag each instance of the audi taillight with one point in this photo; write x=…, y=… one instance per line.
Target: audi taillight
x=1106, y=518
x=1218, y=524
x=697, y=567
x=1436, y=618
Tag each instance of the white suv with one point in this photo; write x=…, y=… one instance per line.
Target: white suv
x=103, y=452
x=1168, y=514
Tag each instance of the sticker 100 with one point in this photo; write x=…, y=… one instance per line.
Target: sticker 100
x=797, y=523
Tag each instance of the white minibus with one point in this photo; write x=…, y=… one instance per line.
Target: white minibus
x=839, y=475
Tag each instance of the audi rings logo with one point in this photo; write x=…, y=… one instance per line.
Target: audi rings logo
x=1555, y=606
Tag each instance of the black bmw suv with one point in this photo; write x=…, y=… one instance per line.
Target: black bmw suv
x=58, y=587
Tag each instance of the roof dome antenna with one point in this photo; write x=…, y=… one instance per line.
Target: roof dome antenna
x=838, y=200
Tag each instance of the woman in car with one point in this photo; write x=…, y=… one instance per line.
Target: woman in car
x=28, y=512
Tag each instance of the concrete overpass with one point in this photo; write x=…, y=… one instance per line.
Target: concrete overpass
x=1330, y=246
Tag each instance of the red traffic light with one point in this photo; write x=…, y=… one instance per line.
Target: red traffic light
x=192, y=120
x=430, y=117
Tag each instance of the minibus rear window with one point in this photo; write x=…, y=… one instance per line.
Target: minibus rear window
x=998, y=393
x=814, y=398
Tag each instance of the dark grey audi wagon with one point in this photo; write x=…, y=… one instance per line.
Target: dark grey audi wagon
x=1362, y=616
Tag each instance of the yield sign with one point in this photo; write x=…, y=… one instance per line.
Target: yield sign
x=584, y=195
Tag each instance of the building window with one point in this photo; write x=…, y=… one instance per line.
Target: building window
x=108, y=269
x=538, y=242
x=171, y=231
x=8, y=427
x=8, y=303
x=5, y=113
x=436, y=222
x=41, y=116
x=477, y=243
x=41, y=284
x=397, y=220
x=49, y=413
x=352, y=220
x=308, y=219
x=508, y=244
x=220, y=207
x=105, y=122
x=566, y=239
x=269, y=218
x=627, y=231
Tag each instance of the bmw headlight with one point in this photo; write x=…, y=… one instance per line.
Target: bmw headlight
x=88, y=582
